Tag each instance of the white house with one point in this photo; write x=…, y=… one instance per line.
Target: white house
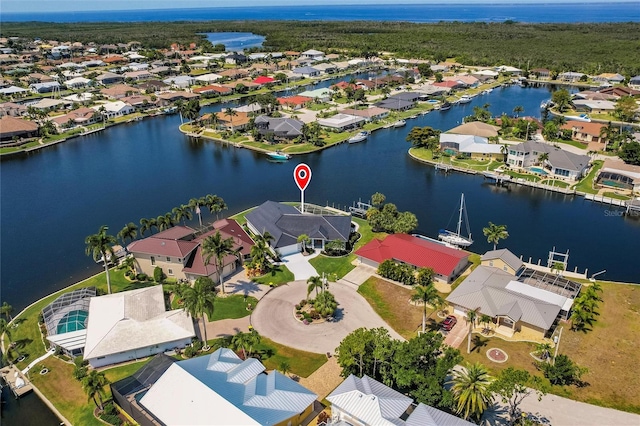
x=470, y=146
x=208, y=78
x=181, y=81
x=133, y=324
x=114, y=109
x=316, y=55
x=77, y=82
x=49, y=86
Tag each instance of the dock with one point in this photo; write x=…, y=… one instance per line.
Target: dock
x=17, y=382
x=607, y=200
x=359, y=209
x=633, y=207
x=499, y=178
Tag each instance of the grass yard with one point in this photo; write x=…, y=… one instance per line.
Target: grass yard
x=577, y=144
x=301, y=363
x=610, y=352
x=391, y=302
x=525, y=176
x=234, y=306
x=616, y=196
x=586, y=184
x=278, y=275
x=334, y=267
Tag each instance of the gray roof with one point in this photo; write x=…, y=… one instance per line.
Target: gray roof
x=305, y=70
x=394, y=104
x=489, y=290
x=283, y=127
x=407, y=96
x=285, y=223
x=558, y=158
x=425, y=415
x=505, y=255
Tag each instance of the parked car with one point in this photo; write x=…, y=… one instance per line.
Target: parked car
x=449, y=322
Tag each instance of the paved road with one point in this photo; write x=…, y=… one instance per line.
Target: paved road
x=274, y=318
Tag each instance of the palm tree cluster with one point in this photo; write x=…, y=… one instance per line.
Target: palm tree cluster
x=246, y=342
x=324, y=303
x=584, y=309
x=199, y=300
x=495, y=233
x=261, y=255
x=184, y=212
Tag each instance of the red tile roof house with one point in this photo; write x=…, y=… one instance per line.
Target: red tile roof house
x=584, y=131
x=78, y=117
x=262, y=80
x=178, y=251
x=294, y=102
x=446, y=262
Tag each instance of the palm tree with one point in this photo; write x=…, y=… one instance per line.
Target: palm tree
x=93, y=385
x=195, y=204
x=325, y=304
x=147, y=225
x=304, y=240
x=543, y=157
x=284, y=367
x=471, y=390
x=5, y=329
x=100, y=245
x=218, y=248
x=241, y=341
x=230, y=112
x=6, y=310
x=471, y=319
x=215, y=204
x=129, y=232
x=198, y=300
x=165, y=221
x=315, y=283
x=495, y=233
x=518, y=109
x=182, y=213
x=427, y=295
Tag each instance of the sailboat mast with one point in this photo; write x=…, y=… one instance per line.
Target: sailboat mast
x=460, y=216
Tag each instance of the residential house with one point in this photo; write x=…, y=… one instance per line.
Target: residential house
x=594, y=107
x=78, y=117
x=449, y=84
x=152, y=86
x=395, y=104
x=294, y=102
x=373, y=113
x=138, y=75
x=213, y=89
x=80, y=98
x=476, y=128
x=236, y=59
x=466, y=81
x=180, y=81
x=77, y=82
x=306, y=72
x=285, y=223
x=634, y=82
x=234, y=74
x=447, y=263
x=470, y=146
x=167, y=98
x=107, y=78
x=502, y=259
x=45, y=87
x=264, y=80
x=13, y=91
x=571, y=76
x=12, y=127
x=530, y=303
x=611, y=78
x=139, y=102
x=278, y=128
x=341, y=122
x=620, y=91
x=184, y=392
x=12, y=109
x=132, y=325
x=321, y=95
x=114, y=109
x=583, y=131
x=49, y=104
x=541, y=73
x=251, y=109
x=177, y=251
x=312, y=54
x=367, y=402
x=232, y=122
x=326, y=68
x=509, y=70
x=562, y=164
x=207, y=78
x=619, y=175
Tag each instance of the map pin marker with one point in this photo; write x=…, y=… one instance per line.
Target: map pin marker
x=302, y=176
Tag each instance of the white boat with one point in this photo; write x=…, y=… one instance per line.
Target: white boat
x=581, y=117
x=359, y=137
x=455, y=238
x=400, y=123
x=445, y=106
x=487, y=91
x=465, y=99
x=278, y=155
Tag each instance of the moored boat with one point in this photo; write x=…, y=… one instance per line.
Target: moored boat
x=456, y=238
x=359, y=137
x=278, y=155
x=400, y=123
x=464, y=99
x=445, y=106
x=581, y=117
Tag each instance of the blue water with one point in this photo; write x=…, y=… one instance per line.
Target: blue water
x=540, y=12
x=236, y=41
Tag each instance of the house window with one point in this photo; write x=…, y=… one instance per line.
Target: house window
x=170, y=271
x=153, y=260
x=168, y=259
x=504, y=268
x=491, y=263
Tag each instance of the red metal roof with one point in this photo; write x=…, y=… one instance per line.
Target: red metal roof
x=294, y=100
x=264, y=80
x=414, y=251
x=163, y=247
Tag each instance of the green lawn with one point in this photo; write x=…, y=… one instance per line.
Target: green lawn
x=301, y=363
x=525, y=176
x=555, y=182
x=616, y=196
x=334, y=267
x=573, y=143
x=27, y=334
x=278, y=275
x=586, y=184
x=234, y=306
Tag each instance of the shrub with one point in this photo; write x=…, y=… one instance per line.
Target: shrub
x=158, y=275
x=190, y=351
x=142, y=277
x=562, y=371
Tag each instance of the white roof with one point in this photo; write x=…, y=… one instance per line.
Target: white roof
x=71, y=340
x=208, y=77
x=312, y=52
x=133, y=319
x=254, y=107
x=79, y=97
x=49, y=103
x=77, y=80
x=340, y=120
x=317, y=93
x=112, y=106
x=470, y=143
x=12, y=89
x=488, y=73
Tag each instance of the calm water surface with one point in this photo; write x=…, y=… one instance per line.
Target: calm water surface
x=53, y=199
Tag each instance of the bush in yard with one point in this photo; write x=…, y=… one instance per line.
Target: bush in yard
x=158, y=275
x=190, y=351
x=142, y=277
x=562, y=371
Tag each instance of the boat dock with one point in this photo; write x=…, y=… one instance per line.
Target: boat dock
x=499, y=178
x=17, y=382
x=359, y=209
x=611, y=201
x=448, y=167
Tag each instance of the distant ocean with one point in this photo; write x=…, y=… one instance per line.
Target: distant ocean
x=532, y=13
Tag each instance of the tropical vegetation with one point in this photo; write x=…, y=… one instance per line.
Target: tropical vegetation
x=495, y=233
x=471, y=390
x=100, y=247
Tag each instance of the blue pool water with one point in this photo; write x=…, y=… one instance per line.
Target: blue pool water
x=538, y=170
x=74, y=320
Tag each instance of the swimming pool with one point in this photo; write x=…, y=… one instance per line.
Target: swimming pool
x=538, y=170
x=72, y=321
x=432, y=101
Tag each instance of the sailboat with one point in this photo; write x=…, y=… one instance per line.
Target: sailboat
x=455, y=238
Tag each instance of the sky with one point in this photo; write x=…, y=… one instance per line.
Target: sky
x=87, y=5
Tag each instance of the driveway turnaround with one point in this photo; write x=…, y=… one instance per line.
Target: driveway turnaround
x=274, y=318
x=299, y=265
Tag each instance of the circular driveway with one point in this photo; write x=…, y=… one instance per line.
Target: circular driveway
x=274, y=318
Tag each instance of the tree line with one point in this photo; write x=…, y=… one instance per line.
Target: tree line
x=591, y=48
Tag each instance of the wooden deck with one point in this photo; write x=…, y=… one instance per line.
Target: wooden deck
x=12, y=377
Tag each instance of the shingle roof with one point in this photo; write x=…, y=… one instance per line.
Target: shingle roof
x=414, y=251
x=505, y=255
x=493, y=292
x=285, y=223
x=558, y=158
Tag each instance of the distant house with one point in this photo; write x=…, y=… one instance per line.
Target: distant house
x=45, y=87
x=263, y=79
x=12, y=127
x=594, y=106
x=612, y=78
x=77, y=82
x=502, y=259
x=12, y=109
x=78, y=117
x=531, y=302
x=152, y=86
x=563, y=164
x=119, y=91
x=341, y=122
x=278, y=128
x=138, y=75
x=109, y=78
x=177, y=251
x=239, y=393
x=294, y=102
x=571, y=76
x=634, y=82
x=213, y=89
x=446, y=262
x=239, y=121
x=306, y=72
x=469, y=146
x=367, y=402
x=12, y=90
x=395, y=104
x=476, y=128
x=316, y=55
x=236, y=58
x=114, y=109
x=167, y=98
x=541, y=73
x=509, y=70
x=321, y=95
x=285, y=223
x=132, y=325
x=584, y=131
x=619, y=175
x=451, y=84
x=207, y=78
x=180, y=81
x=369, y=114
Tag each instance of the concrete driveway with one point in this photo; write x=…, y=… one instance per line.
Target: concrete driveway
x=299, y=265
x=274, y=318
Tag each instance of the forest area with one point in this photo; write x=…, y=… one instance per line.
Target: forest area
x=590, y=48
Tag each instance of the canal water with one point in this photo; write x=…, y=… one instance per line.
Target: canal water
x=54, y=198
